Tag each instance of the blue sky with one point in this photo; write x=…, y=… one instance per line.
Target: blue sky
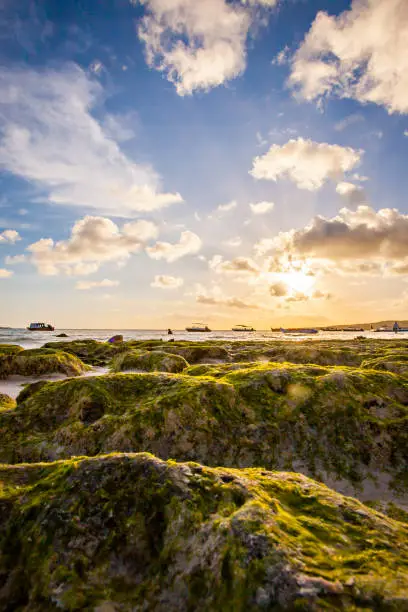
x=229, y=161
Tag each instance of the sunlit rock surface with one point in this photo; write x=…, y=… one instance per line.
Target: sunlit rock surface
x=130, y=532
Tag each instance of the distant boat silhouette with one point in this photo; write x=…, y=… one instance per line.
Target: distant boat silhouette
x=198, y=327
x=299, y=330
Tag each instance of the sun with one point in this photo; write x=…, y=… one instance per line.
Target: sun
x=298, y=281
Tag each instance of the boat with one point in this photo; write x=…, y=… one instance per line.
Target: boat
x=243, y=328
x=198, y=327
x=40, y=327
x=300, y=330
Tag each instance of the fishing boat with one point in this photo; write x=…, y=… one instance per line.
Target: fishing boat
x=198, y=327
x=301, y=330
x=243, y=328
x=40, y=327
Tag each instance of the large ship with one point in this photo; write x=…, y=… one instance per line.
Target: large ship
x=198, y=327
x=40, y=327
x=243, y=328
x=299, y=330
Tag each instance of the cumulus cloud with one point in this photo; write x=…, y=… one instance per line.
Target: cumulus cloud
x=279, y=289
x=308, y=164
x=48, y=136
x=373, y=241
x=237, y=266
x=233, y=242
x=9, y=237
x=162, y=281
x=5, y=273
x=193, y=48
x=223, y=208
x=260, y=208
x=93, y=240
x=354, y=194
x=188, y=244
x=360, y=54
x=86, y=285
x=231, y=302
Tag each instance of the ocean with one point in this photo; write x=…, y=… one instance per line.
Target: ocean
x=28, y=339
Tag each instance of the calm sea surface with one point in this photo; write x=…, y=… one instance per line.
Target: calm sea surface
x=35, y=339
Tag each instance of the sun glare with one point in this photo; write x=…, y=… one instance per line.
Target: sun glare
x=299, y=281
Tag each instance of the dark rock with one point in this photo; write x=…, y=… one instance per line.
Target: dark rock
x=116, y=339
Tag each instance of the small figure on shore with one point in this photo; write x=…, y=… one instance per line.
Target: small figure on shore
x=396, y=327
x=169, y=332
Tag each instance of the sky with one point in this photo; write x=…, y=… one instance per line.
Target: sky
x=164, y=162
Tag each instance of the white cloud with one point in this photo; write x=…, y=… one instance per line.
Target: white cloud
x=188, y=244
x=360, y=54
x=233, y=242
x=353, y=193
x=96, y=67
x=5, y=273
x=348, y=121
x=12, y=260
x=215, y=297
x=198, y=45
x=9, y=237
x=308, y=164
x=223, y=208
x=162, y=281
x=231, y=302
x=237, y=266
x=364, y=239
x=50, y=138
x=260, y=208
x=85, y=285
x=406, y=133
x=279, y=289
x=93, y=240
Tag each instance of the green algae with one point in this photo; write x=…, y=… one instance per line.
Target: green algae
x=10, y=349
x=89, y=351
x=141, y=534
x=129, y=533
x=40, y=362
x=6, y=402
x=329, y=422
x=148, y=361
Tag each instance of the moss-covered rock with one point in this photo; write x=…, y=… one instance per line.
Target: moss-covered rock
x=131, y=533
x=148, y=361
x=6, y=402
x=40, y=362
x=192, y=352
x=10, y=349
x=345, y=426
x=89, y=351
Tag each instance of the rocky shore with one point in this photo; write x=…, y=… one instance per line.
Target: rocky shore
x=205, y=476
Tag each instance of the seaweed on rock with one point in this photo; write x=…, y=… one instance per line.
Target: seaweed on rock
x=40, y=362
x=130, y=533
x=339, y=424
x=148, y=361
